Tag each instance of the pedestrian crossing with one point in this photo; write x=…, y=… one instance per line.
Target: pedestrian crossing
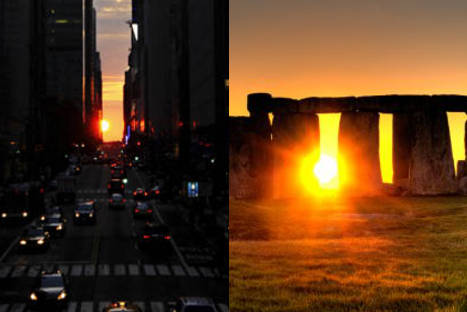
x=92, y=270
x=97, y=191
x=90, y=306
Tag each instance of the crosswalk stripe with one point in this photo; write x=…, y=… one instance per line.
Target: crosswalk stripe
x=149, y=270
x=87, y=306
x=206, y=272
x=34, y=270
x=72, y=306
x=4, y=307
x=18, y=307
x=104, y=269
x=48, y=267
x=4, y=271
x=141, y=305
x=89, y=270
x=18, y=271
x=163, y=269
x=133, y=269
x=223, y=307
x=64, y=268
x=178, y=270
x=157, y=307
x=119, y=269
x=102, y=305
x=76, y=270
x=192, y=272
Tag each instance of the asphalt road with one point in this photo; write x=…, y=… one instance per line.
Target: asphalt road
x=103, y=262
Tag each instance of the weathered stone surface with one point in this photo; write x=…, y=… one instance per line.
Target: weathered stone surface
x=250, y=174
x=359, y=166
x=432, y=166
x=401, y=148
x=463, y=186
x=295, y=136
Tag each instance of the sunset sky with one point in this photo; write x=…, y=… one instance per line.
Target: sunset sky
x=301, y=48
x=113, y=42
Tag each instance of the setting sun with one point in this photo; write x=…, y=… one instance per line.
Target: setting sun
x=325, y=170
x=104, y=125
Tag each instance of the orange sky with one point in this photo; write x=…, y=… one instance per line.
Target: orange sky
x=301, y=48
x=113, y=41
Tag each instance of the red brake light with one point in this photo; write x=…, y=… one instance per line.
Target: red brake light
x=167, y=237
x=122, y=186
x=158, y=192
x=146, y=236
x=110, y=200
x=149, y=210
x=124, y=200
x=121, y=171
x=136, y=210
x=134, y=193
x=41, y=190
x=145, y=193
x=108, y=185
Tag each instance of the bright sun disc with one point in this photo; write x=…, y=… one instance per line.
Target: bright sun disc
x=104, y=125
x=326, y=169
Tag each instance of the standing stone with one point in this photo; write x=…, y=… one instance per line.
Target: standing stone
x=402, y=142
x=359, y=165
x=295, y=136
x=432, y=165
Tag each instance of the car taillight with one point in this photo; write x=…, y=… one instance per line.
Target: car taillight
x=145, y=193
x=146, y=236
x=167, y=237
x=158, y=192
x=108, y=185
x=134, y=193
x=110, y=201
x=121, y=171
x=124, y=200
x=122, y=186
x=41, y=190
x=136, y=210
x=149, y=210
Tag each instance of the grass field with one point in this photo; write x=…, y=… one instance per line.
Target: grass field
x=369, y=254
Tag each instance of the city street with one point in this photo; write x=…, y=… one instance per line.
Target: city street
x=103, y=262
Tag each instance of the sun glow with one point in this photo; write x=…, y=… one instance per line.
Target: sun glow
x=104, y=125
x=326, y=171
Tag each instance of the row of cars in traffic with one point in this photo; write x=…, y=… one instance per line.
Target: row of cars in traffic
x=51, y=289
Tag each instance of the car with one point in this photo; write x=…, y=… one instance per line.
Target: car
x=75, y=169
x=155, y=192
x=140, y=194
x=54, y=224
x=117, y=201
x=155, y=237
x=193, y=304
x=34, y=238
x=142, y=210
x=50, y=292
x=85, y=212
x=14, y=215
x=122, y=306
x=51, y=211
x=116, y=186
x=117, y=172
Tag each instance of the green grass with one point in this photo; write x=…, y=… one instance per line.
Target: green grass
x=369, y=254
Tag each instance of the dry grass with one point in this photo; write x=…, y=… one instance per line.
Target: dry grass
x=373, y=254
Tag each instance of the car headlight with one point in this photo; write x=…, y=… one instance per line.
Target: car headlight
x=62, y=295
x=33, y=296
x=22, y=242
x=91, y=215
x=40, y=242
x=42, y=218
x=24, y=214
x=59, y=227
x=77, y=214
x=4, y=215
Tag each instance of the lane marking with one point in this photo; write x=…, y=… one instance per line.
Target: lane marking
x=206, y=272
x=87, y=306
x=4, y=307
x=89, y=270
x=178, y=270
x=72, y=306
x=18, y=307
x=133, y=269
x=76, y=270
x=192, y=272
x=104, y=269
x=157, y=306
x=18, y=271
x=119, y=269
x=223, y=307
x=4, y=271
x=34, y=270
x=64, y=268
x=13, y=244
x=102, y=305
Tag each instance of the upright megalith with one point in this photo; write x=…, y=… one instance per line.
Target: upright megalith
x=432, y=165
x=295, y=136
x=402, y=142
x=359, y=165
